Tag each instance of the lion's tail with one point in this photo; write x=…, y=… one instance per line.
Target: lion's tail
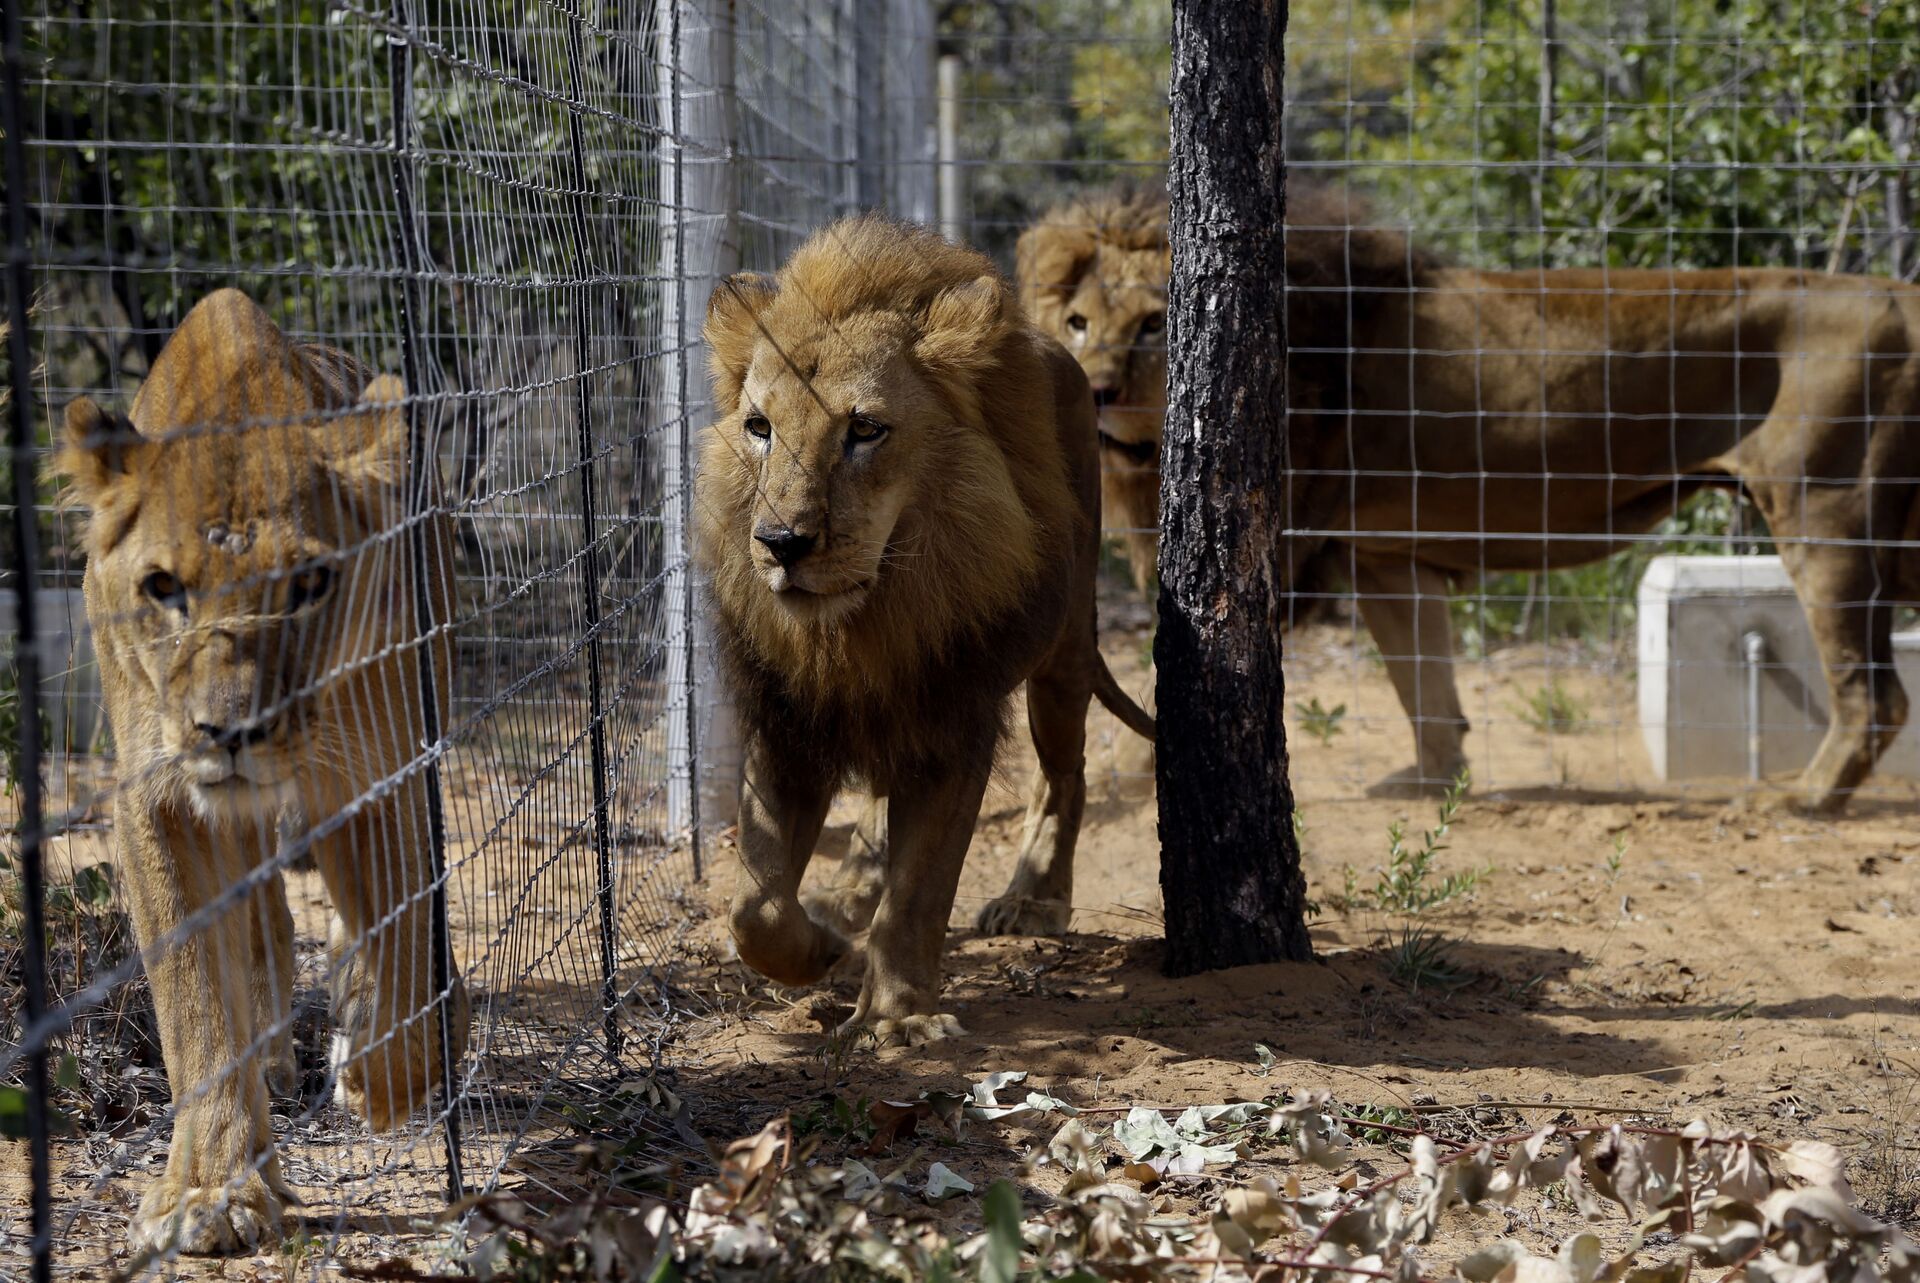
x=1116, y=701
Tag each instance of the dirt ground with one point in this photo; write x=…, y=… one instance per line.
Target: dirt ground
x=1631, y=950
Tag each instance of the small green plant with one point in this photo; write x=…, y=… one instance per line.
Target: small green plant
x=1554, y=710
x=835, y=1118
x=1319, y=721
x=1422, y=958
x=1387, y=1116
x=1409, y=883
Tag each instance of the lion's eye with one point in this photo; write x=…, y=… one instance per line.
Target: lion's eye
x=1077, y=323
x=865, y=428
x=305, y=587
x=758, y=428
x=1153, y=323
x=163, y=588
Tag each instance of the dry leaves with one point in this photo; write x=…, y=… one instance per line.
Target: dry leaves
x=1777, y=1214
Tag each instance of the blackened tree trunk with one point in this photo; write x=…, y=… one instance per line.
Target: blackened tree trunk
x=1229, y=864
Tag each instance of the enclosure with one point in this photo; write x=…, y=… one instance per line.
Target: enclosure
x=520, y=212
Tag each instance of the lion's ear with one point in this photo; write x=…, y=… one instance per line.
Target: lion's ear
x=99, y=447
x=963, y=327
x=732, y=329
x=371, y=442
x=1050, y=259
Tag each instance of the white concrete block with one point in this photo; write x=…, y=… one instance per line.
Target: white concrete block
x=1693, y=614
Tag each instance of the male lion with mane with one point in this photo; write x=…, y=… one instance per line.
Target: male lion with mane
x=897, y=516
x=1445, y=421
x=256, y=630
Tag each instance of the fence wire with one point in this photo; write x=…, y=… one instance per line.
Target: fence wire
x=429, y=575
x=519, y=215
x=1428, y=145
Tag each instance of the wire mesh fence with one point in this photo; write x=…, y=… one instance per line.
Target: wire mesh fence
x=1456, y=169
x=387, y=588
x=509, y=222
x=1479, y=496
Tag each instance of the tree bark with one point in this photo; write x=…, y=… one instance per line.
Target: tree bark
x=1229, y=863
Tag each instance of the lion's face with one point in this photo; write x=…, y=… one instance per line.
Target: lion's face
x=236, y=574
x=835, y=427
x=834, y=430
x=1093, y=274
x=1114, y=322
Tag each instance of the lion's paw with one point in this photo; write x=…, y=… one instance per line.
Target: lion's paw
x=207, y=1220
x=1019, y=915
x=912, y=1031
x=1793, y=801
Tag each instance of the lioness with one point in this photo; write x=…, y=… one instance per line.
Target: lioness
x=1445, y=421
x=896, y=518
x=254, y=616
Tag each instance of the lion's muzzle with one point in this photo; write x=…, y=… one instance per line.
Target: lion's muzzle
x=784, y=543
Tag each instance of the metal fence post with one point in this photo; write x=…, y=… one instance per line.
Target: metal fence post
x=953, y=189
x=590, y=558
x=420, y=459
x=23, y=462
x=700, y=241
x=871, y=109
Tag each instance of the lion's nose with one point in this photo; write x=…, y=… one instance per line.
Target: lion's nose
x=785, y=543
x=1105, y=395
x=232, y=738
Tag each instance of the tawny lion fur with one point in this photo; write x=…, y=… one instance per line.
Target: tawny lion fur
x=896, y=515
x=1458, y=421
x=252, y=631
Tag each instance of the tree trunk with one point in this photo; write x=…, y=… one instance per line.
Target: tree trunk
x=1229, y=864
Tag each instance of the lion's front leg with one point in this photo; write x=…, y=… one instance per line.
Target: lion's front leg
x=783, y=806
x=222, y=1190
x=930, y=825
x=386, y=1053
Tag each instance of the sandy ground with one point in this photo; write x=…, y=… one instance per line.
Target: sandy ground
x=1632, y=949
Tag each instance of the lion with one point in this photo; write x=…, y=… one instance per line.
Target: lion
x=1093, y=274
x=896, y=518
x=256, y=627
x=1446, y=421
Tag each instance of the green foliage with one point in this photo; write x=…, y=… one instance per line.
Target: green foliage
x=1051, y=122
x=1552, y=709
x=1408, y=883
x=1000, y=1263
x=1421, y=957
x=1321, y=723
x=835, y=1118
x=1700, y=133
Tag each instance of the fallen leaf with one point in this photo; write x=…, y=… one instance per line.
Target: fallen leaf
x=893, y=1120
x=944, y=1182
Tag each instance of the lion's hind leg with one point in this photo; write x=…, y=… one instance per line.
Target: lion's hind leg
x=387, y=1040
x=271, y=980
x=1404, y=604
x=1039, y=899
x=847, y=906
x=1852, y=625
